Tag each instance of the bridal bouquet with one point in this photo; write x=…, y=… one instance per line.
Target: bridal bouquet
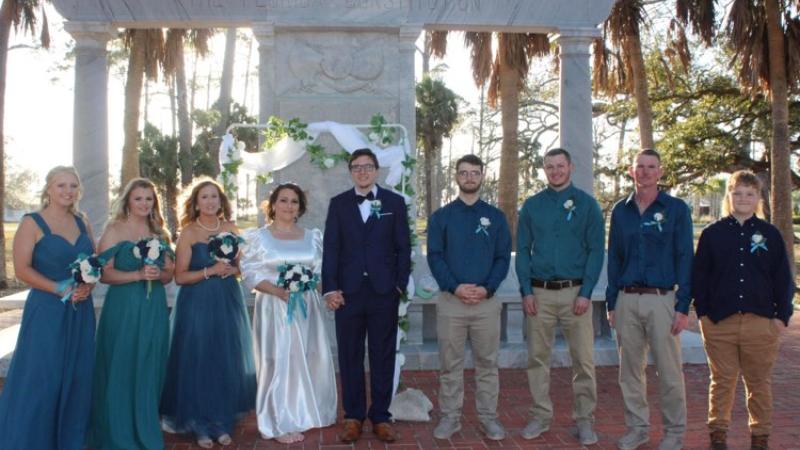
x=224, y=246
x=151, y=252
x=297, y=279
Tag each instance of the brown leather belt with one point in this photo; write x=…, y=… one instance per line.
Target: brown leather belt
x=645, y=290
x=555, y=285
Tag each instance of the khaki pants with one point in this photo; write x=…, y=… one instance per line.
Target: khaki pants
x=746, y=344
x=455, y=324
x=555, y=308
x=642, y=321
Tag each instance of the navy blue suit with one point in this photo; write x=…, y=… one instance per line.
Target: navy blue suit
x=368, y=262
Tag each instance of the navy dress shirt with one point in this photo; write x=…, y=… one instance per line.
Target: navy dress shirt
x=742, y=268
x=653, y=249
x=461, y=250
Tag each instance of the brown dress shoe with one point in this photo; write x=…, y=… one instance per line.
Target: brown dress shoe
x=759, y=442
x=718, y=440
x=351, y=431
x=383, y=431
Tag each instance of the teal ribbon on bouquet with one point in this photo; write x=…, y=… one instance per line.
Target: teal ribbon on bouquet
x=295, y=299
x=65, y=287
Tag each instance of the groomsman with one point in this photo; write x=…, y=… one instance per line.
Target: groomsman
x=560, y=239
x=649, y=257
x=366, y=262
x=469, y=251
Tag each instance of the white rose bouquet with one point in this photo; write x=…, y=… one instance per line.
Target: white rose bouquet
x=224, y=246
x=151, y=252
x=297, y=279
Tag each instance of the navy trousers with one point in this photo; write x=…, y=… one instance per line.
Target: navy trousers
x=374, y=316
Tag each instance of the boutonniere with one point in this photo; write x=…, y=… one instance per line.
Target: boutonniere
x=569, y=205
x=483, y=224
x=757, y=241
x=658, y=221
x=375, y=208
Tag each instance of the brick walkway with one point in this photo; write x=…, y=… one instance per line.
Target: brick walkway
x=515, y=401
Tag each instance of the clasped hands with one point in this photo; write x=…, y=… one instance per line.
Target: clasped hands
x=471, y=294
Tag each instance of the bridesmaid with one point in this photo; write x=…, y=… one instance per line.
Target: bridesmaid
x=133, y=336
x=46, y=399
x=296, y=379
x=211, y=372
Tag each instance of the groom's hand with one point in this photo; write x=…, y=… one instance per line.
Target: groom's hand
x=334, y=300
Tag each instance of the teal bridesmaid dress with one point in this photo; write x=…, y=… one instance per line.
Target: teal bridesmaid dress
x=130, y=363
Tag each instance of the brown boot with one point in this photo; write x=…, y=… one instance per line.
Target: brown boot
x=718, y=440
x=351, y=431
x=759, y=442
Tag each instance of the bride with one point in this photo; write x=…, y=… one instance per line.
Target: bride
x=294, y=365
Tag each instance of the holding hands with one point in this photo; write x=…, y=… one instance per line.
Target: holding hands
x=334, y=300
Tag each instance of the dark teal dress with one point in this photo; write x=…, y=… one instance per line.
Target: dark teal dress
x=211, y=376
x=46, y=399
x=132, y=345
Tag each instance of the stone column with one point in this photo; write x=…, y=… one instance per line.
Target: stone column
x=575, y=112
x=90, y=116
x=267, y=106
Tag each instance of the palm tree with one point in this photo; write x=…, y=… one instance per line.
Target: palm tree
x=175, y=69
x=14, y=13
x=764, y=36
x=507, y=74
x=146, y=49
x=437, y=113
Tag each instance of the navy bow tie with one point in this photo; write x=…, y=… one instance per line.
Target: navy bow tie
x=360, y=198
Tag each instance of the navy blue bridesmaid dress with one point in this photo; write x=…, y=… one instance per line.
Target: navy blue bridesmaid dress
x=47, y=396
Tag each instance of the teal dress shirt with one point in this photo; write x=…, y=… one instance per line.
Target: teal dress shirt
x=560, y=236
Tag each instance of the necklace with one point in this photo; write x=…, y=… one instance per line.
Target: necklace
x=215, y=228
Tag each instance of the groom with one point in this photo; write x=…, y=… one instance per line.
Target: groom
x=366, y=261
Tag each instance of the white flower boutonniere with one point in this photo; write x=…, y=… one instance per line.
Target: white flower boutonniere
x=375, y=208
x=483, y=224
x=569, y=205
x=658, y=221
x=758, y=241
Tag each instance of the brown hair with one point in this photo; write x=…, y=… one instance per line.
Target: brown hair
x=189, y=211
x=269, y=209
x=155, y=221
x=744, y=178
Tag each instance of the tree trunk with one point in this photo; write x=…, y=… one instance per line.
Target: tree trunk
x=508, y=189
x=426, y=54
x=225, y=88
x=5, y=33
x=133, y=95
x=184, y=123
x=171, y=204
x=640, y=90
x=780, y=157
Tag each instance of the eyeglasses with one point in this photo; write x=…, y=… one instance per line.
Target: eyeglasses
x=469, y=173
x=362, y=168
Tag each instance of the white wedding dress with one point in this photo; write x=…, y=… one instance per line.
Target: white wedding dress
x=294, y=364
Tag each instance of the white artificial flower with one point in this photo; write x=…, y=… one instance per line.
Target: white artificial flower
x=304, y=278
x=86, y=266
x=153, y=250
x=329, y=163
x=376, y=204
x=294, y=286
x=569, y=204
x=136, y=253
x=658, y=217
x=757, y=238
x=226, y=248
x=485, y=222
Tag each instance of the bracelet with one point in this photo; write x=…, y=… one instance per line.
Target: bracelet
x=205, y=273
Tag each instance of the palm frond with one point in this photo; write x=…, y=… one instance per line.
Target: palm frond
x=512, y=49
x=792, y=45
x=480, y=45
x=600, y=73
x=438, y=43
x=746, y=28
x=173, y=49
x=700, y=14
x=624, y=20
x=199, y=38
x=537, y=45
x=493, y=91
x=153, y=52
x=44, y=36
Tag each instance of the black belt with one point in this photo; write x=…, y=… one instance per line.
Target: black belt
x=555, y=285
x=645, y=290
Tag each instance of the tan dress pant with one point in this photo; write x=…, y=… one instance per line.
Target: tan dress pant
x=555, y=308
x=480, y=324
x=745, y=344
x=644, y=321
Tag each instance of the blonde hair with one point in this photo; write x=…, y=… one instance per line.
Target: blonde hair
x=44, y=197
x=189, y=211
x=741, y=178
x=155, y=221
